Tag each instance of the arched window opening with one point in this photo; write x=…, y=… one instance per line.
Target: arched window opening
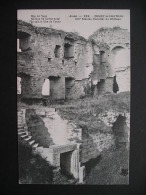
x=121, y=57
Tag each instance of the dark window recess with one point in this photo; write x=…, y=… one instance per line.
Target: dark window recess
x=23, y=43
x=49, y=59
x=102, y=57
x=57, y=51
x=115, y=85
x=68, y=50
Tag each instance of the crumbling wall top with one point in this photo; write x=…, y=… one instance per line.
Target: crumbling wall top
x=48, y=31
x=109, y=36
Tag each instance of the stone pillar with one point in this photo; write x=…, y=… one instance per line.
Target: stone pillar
x=75, y=164
x=26, y=86
x=81, y=174
x=56, y=159
x=57, y=88
x=24, y=120
x=109, y=85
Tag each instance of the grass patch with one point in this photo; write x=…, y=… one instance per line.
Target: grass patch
x=32, y=168
x=84, y=112
x=111, y=169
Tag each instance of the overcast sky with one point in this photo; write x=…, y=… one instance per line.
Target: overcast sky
x=69, y=24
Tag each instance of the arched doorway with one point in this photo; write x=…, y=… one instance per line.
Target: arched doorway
x=121, y=57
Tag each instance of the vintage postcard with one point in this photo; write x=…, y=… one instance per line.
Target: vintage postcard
x=73, y=96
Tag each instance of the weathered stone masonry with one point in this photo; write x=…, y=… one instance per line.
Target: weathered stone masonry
x=71, y=63
x=69, y=151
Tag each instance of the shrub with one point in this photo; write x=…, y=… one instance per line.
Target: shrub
x=32, y=168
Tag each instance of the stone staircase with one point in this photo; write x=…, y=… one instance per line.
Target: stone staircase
x=46, y=153
x=23, y=134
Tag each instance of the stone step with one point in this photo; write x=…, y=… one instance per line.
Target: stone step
x=39, y=149
x=20, y=123
x=35, y=145
x=27, y=139
x=20, y=126
x=31, y=142
x=20, y=130
x=19, y=114
x=22, y=133
x=24, y=136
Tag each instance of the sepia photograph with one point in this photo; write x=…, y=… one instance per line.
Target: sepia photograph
x=73, y=96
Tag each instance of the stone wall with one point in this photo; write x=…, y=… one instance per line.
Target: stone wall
x=112, y=36
x=111, y=117
x=47, y=53
x=40, y=60
x=65, y=162
x=118, y=127
x=111, y=41
x=57, y=88
x=91, y=147
x=48, y=128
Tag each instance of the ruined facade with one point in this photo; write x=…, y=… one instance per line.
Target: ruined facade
x=69, y=65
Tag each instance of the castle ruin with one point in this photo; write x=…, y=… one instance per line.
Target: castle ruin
x=54, y=64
